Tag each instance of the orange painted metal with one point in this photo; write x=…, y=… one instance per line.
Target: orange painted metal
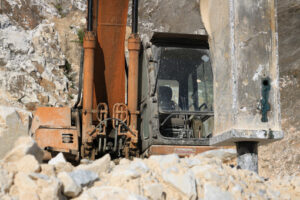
x=180, y=150
x=120, y=111
x=50, y=125
x=51, y=117
x=53, y=138
x=102, y=111
x=110, y=52
x=102, y=116
x=133, y=71
x=89, y=45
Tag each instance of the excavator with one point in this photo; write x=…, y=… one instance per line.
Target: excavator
x=160, y=103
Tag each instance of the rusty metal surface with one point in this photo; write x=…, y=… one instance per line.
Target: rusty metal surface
x=120, y=111
x=53, y=138
x=110, y=54
x=102, y=109
x=133, y=48
x=102, y=116
x=52, y=117
x=180, y=150
x=88, y=78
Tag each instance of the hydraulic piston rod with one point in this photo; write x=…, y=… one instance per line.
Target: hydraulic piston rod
x=89, y=44
x=133, y=48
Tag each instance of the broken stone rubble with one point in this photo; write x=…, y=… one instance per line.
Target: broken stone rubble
x=203, y=176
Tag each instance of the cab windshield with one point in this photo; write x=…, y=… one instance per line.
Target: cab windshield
x=185, y=80
x=185, y=93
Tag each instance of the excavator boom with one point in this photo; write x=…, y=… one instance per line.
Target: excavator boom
x=109, y=73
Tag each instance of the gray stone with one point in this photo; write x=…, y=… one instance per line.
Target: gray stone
x=165, y=160
x=85, y=161
x=98, y=166
x=184, y=182
x=237, y=189
x=159, y=16
x=14, y=123
x=154, y=191
x=36, y=176
x=215, y=193
x=24, y=146
x=206, y=172
x=83, y=177
x=63, y=167
x=48, y=170
x=70, y=187
x=59, y=158
x=26, y=186
x=248, y=161
x=28, y=164
x=192, y=161
x=108, y=193
x=6, y=180
x=122, y=173
x=49, y=189
x=139, y=165
x=129, y=170
x=223, y=154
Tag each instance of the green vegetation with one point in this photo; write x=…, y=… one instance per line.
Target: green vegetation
x=67, y=68
x=68, y=71
x=59, y=8
x=80, y=35
x=70, y=96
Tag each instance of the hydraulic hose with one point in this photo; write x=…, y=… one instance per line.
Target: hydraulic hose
x=90, y=16
x=135, y=9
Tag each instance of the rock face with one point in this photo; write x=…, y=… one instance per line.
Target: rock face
x=157, y=178
x=282, y=157
x=36, y=66
x=168, y=16
x=24, y=146
x=14, y=122
x=38, y=41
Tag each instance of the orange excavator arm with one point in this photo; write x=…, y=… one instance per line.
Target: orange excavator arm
x=109, y=70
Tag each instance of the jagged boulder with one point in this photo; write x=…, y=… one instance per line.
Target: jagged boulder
x=99, y=166
x=164, y=177
x=24, y=146
x=28, y=164
x=6, y=180
x=70, y=187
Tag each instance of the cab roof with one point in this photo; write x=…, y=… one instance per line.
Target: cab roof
x=180, y=40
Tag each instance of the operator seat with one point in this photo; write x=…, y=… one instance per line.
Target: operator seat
x=165, y=98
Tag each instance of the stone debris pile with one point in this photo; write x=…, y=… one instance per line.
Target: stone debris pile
x=204, y=176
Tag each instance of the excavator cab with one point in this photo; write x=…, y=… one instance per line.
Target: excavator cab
x=177, y=109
